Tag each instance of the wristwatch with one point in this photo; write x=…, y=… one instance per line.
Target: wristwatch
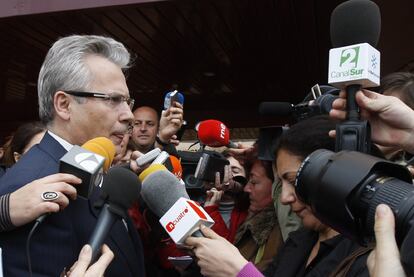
x=160, y=142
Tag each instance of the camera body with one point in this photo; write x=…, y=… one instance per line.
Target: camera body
x=208, y=165
x=199, y=167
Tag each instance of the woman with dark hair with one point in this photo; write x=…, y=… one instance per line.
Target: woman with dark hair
x=259, y=237
x=314, y=250
x=22, y=140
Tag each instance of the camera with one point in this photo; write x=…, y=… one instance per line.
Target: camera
x=209, y=164
x=199, y=167
x=344, y=189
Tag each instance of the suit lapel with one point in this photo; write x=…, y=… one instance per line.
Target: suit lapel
x=52, y=147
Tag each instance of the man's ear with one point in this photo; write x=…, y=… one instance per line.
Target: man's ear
x=61, y=103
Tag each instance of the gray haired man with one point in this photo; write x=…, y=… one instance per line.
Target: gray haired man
x=82, y=95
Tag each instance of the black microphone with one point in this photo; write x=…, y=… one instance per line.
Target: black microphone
x=354, y=63
x=321, y=105
x=120, y=189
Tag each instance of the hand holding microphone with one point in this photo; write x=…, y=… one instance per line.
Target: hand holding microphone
x=216, y=255
x=392, y=121
x=29, y=202
x=81, y=267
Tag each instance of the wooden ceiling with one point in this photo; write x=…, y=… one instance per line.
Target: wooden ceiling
x=226, y=56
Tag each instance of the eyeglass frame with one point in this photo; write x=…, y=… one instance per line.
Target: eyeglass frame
x=130, y=101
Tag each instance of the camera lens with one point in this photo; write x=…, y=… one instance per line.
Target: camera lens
x=345, y=188
x=398, y=195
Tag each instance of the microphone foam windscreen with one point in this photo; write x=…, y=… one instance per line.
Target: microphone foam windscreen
x=161, y=190
x=275, y=108
x=355, y=21
x=102, y=146
x=149, y=170
x=213, y=133
x=121, y=186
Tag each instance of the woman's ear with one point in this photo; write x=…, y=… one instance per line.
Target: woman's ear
x=16, y=156
x=61, y=103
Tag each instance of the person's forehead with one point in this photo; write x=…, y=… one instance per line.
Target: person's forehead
x=108, y=77
x=145, y=114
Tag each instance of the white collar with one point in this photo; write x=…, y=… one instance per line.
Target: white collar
x=65, y=144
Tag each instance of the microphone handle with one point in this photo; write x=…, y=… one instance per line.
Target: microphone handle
x=198, y=234
x=103, y=226
x=351, y=104
x=41, y=218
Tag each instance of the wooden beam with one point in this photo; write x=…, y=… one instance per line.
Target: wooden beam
x=25, y=7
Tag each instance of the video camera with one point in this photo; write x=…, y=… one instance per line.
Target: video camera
x=201, y=166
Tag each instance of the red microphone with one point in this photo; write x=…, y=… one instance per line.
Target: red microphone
x=214, y=133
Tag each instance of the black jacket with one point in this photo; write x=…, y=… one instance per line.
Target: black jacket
x=291, y=259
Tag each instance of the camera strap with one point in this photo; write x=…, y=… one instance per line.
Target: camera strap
x=343, y=268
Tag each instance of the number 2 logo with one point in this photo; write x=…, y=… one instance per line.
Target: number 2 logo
x=349, y=57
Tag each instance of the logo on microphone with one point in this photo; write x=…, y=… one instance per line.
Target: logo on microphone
x=88, y=161
x=349, y=57
x=374, y=61
x=171, y=225
x=222, y=130
x=349, y=67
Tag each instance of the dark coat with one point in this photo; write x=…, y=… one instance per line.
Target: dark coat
x=291, y=259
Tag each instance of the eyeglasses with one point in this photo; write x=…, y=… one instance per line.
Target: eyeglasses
x=114, y=99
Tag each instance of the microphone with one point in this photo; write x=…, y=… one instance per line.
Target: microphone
x=354, y=63
x=176, y=167
x=119, y=190
x=214, y=133
x=355, y=28
x=173, y=164
x=320, y=105
x=104, y=147
x=88, y=163
x=167, y=198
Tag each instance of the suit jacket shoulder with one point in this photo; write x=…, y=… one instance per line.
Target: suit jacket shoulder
x=41, y=160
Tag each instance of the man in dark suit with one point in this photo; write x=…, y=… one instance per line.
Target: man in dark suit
x=82, y=95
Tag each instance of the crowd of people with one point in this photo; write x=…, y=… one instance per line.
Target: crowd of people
x=262, y=227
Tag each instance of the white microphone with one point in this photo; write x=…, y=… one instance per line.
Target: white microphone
x=167, y=198
x=183, y=219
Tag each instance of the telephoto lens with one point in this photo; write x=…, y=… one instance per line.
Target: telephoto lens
x=344, y=189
